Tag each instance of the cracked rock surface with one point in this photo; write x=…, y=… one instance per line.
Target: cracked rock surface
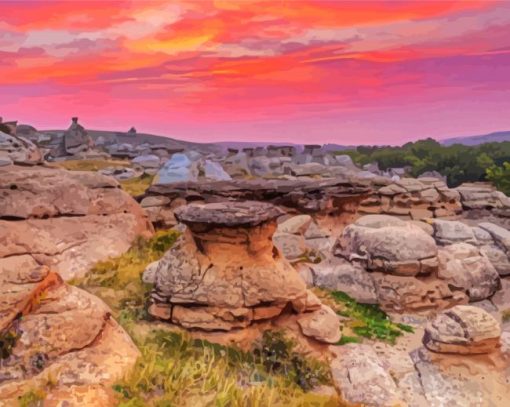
x=65, y=220
x=61, y=334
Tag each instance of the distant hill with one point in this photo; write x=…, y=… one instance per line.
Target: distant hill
x=239, y=145
x=496, y=137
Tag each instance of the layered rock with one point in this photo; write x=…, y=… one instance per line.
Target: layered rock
x=463, y=329
x=402, y=261
x=484, y=196
x=332, y=196
x=224, y=272
x=18, y=150
x=66, y=220
x=52, y=332
x=464, y=267
x=413, y=199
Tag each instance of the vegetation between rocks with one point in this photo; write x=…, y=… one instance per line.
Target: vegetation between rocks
x=459, y=163
x=137, y=186
x=176, y=369
x=89, y=165
x=364, y=320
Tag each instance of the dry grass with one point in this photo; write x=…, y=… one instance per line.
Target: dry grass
x=89, y=165
x=137, y=186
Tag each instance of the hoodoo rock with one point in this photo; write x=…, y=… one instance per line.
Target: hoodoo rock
x=225, y=273
x=463, y=329
x=65, y=220
x=52, y=332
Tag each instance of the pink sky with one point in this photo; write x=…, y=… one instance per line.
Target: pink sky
x=281, y=70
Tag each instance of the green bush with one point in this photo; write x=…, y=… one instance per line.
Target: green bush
x=500, y=177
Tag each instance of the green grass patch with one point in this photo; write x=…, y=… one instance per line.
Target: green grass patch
x=177, y=370
x=118, y=281
x=137, y=186
x=365, y=321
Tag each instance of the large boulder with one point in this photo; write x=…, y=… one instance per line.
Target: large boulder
x=362, y=378
x=59, y=334
x=463, y=329
x=179, y=168
x=224, y=272
x=214, y=171
x=482, y=196
x=66, y=220
x=449, y=232
x=147, y=161
x=464, y=267
x=395, y=248
x=18, y=150
x=76, y=138
x=322, y=324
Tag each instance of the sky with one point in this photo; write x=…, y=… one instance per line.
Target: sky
x=298, y=71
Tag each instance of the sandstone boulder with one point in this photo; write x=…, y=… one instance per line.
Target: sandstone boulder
x=179, y=168
x=66, y=220
x=60, y=333
x=400, y=249
x=464, y=267
x=463, y=329
x=322, y=325
x=449, y=232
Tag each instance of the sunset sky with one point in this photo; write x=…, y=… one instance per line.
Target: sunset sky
x=294, y=71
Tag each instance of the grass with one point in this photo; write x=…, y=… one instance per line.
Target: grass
x=177, y=370
x=32, y=398
x=137, y=186
x=365, y=321
x=89, y=165
x=505, y=315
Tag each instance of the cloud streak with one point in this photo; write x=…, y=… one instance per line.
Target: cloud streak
x=329, y=71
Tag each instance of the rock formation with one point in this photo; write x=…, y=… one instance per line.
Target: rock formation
x=463, y=329
x=54, y=333
x=66, y=220
x=224, y=273
x=18, y=150
x=76, y=139
x=413, y=199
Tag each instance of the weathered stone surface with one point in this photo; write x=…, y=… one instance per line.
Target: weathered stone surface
x=295, y=225
x=361, y=377
x=66, y=220
x=449, y=232
x=464, y=267
x=231, y=214
x=482, y=196
x=328, y=196
x=76, y=138
x=463, y=329
x=398, y=249
x=291, y=246
x=147, y=161
x=18, y=150
x=322, y=325
x=214, y=171
x=65, y=333
x=224, y=272
x=498, y=258
x=400, y=294
x=500, y=235
x=179, y=168
x=340, y=275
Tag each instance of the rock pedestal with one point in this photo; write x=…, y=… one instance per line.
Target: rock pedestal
x=225, y=273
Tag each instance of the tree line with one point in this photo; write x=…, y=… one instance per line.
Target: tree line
x=458, y=163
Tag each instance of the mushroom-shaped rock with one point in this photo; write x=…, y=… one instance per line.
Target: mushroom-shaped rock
x=224, y=272
x=463, y=329
x=388, y=246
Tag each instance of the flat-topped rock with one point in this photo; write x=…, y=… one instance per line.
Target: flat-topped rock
x=228, y=214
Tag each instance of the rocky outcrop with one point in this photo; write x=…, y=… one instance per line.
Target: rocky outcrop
x=362, y=378
x=413, y=199
x=464, y=267
x=463, y=329
x=76, y=138
x=66, y=220
x=333, y=196
x=18, y=150
x=224, y=272
x=484, y=196
x=52, y=332
x=383, y=243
